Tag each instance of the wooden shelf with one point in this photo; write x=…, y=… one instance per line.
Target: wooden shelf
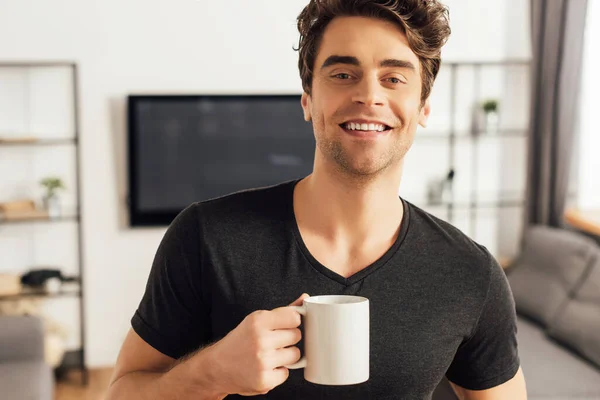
x=71, y=288
x=38, y=142
x=64, y=218
x=40, y=293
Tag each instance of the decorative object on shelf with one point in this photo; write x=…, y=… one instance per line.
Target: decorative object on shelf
x=50, y=280
x=10, y=284
x=440, y=190
x=490, y=113
x=52, y=285
x=51, y=199
x=21, y=210
x=40, y=282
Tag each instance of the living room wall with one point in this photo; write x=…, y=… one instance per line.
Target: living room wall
x=181, y=46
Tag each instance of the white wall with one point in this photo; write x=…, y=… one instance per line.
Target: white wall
x=182, y=46
x=589, y=144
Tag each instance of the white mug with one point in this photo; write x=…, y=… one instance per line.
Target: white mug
x=336, y=340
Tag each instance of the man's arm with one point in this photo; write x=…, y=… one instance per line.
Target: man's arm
x=143, y=372
x=263, y=343
x=513, y=389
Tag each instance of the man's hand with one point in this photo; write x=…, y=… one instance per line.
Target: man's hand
x=250, y=360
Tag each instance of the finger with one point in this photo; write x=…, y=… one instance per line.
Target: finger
x=285, y=337
x=278, y=376
x=285, y=356
x=282, y=318
x=299, y=300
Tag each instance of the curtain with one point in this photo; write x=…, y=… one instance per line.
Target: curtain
x=557, y=45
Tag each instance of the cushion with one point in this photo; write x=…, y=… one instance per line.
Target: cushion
x=550, y=267
x=577, y=324
x=26, y=380
x=551, y=370
x=21, y=338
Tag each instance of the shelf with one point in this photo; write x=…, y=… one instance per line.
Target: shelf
x=39, y=142
x=477, y=205
x=42, y=294
x=37, y=64
x=487, y=63
x=44, y=220
x=479, y=135
x=71, y=288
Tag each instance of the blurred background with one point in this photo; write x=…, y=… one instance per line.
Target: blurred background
x=115, y=115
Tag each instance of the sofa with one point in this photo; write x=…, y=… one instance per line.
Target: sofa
x=556, y=286
x=24, y=374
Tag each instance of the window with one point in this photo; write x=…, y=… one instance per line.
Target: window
x=589, y=140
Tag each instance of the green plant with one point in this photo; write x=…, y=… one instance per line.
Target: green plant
x=490, y=106
x=52, y=184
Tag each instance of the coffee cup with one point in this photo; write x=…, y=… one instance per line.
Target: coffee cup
x=336, y=339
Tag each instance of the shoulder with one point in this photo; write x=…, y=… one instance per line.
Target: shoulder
x=255, y=201
x=239, y=209
x=457, y=254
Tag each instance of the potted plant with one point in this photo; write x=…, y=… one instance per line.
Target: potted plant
x=51, y=199
x=490, y=110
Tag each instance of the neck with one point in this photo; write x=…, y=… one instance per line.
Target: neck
x=349, y=209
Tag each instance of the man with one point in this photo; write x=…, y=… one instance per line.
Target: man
x=213, y=320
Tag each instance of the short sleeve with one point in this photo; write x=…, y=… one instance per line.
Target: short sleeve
x=171, y=316
x=489, y=356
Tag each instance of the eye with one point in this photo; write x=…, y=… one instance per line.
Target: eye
x=342, y=76
x=394, y=80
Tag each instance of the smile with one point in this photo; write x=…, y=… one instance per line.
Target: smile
x=362, y=128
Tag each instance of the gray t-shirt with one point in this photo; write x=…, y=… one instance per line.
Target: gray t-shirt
x=440, y=304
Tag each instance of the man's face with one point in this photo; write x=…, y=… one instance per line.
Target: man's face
x=365, y=100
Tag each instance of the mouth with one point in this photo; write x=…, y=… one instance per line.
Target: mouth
x=361, y=128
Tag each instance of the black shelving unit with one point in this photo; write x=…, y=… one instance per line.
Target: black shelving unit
x=73, y=359
x=455, y=137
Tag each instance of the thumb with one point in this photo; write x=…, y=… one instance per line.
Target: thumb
x=299, y=300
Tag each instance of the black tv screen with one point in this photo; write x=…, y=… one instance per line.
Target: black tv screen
x=186, y=148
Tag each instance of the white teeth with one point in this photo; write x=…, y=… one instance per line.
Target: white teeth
x=365, y=127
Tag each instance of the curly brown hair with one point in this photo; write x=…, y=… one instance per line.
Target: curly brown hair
x=424, y=22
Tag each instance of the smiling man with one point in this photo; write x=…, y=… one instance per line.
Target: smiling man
x=212, y=322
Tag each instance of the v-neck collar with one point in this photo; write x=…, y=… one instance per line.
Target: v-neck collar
x=360, y=275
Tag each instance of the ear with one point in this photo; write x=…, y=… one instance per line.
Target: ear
x=424, y=114
x=306, y=106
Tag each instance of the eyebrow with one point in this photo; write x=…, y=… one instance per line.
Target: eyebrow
x=350, y=60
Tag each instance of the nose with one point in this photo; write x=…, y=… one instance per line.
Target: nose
x=369, y=92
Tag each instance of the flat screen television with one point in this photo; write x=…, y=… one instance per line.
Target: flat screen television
x=185, y=148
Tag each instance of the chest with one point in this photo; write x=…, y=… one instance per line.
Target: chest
x=347, y=260
x=413, y=335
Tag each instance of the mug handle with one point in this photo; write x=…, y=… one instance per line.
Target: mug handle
x=302, y=362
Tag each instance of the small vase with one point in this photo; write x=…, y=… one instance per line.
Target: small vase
x=491, y=123
x=52, y=206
